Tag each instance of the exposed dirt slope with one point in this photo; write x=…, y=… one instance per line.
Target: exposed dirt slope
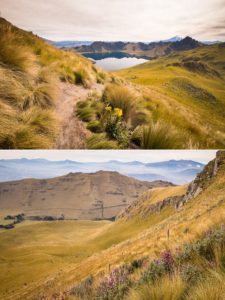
x=76, y=195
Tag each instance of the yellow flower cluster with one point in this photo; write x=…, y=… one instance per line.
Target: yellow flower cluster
x=118, y=112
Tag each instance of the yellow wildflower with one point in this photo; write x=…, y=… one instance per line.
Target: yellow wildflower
x=118, y=112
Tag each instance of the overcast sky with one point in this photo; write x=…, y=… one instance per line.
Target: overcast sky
x=202, y=156
x=133, y=20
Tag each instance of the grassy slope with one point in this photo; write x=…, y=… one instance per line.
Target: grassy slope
x=36, y=251
x=30, y=72
x=191, y=97
x=82, y=248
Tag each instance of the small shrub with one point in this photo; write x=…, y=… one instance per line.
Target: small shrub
x=155, y=270
x=81, y=77
x=114, y=126
x=191, y=273
x=168, y=260
x=84, y=289
x=86, y=114
x=100, y=141
x=114, y=286
x=95, y=126
x=138, y=263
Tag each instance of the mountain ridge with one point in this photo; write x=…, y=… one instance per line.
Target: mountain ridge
x=152, y=50
x=75, y=195
x=42, y=168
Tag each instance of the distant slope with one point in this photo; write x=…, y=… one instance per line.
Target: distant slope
x=186, y=89
x=179, y=171
x=76, y=196
x=152, y=50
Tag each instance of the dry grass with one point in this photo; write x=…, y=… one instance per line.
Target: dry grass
x=159, y=136
x=115, y=244
x=120, y=97
x=30, y=71
x=165, y=289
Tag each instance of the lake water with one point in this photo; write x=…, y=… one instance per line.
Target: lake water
x=115, y=60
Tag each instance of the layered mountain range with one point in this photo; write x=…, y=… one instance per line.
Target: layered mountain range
x=176, y=171
x=152, y=50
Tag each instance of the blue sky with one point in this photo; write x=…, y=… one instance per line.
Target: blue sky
x=202, y=156
x=134, y=20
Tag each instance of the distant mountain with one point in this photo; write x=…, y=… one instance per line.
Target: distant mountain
x=151, y=50
x=177, y=171
x=76, y=195
x=173, y=39
x=69, y=44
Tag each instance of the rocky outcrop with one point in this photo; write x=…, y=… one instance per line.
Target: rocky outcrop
x=202, y=179
x=195, y=188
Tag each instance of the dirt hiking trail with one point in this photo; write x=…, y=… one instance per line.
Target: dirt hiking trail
x=73, y=132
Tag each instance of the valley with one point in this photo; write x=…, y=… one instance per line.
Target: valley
x=62, y=254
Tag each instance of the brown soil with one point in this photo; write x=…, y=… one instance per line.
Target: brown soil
x=73, y=132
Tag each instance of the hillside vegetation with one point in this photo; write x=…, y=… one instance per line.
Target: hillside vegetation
x=179, y=237
x=54, y=98
x=184, y=91
x=30, y=74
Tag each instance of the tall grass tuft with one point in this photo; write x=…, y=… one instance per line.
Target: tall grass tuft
x=158, y=136
x=168, y=288
x=100, y=141
x=13, y=53
x=212, y=288
x=120, y=97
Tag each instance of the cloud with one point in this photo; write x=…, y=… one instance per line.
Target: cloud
x=117, y=20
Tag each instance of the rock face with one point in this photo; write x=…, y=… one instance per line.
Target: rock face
x=201, y=181
x=77, y=195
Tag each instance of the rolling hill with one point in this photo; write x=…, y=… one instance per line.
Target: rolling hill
x=60, y=255
x=91, y=196
x=186, y=90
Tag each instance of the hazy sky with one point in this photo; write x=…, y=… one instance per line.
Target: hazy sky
x=105, y=155
x=134, y=20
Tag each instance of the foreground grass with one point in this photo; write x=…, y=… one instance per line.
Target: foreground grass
x=30, y=74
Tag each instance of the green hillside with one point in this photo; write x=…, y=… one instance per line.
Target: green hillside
x=186, y=90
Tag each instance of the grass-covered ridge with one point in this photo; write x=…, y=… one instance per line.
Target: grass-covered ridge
x=30, y=74
x=186, y=90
